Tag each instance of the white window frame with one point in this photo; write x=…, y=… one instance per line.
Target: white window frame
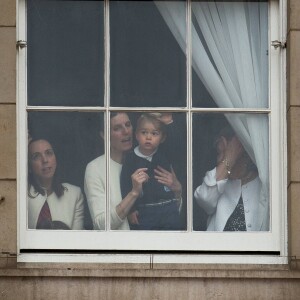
x=265, y=242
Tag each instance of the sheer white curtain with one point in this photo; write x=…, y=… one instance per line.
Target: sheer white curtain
x=229, y=54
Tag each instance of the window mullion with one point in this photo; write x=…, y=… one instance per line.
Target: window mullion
x=107, y=105
x=189, y=193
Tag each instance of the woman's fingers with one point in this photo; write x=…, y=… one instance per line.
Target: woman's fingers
x=173, y=172
x=163, y=176
x=140, y=175
x=166, y=118
x=168, y=179
x=162, y=172
x=138, y=178
x=221, y=148
x=234, y=150
x=140, y=171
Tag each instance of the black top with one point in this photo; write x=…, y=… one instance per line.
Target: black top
x=236, y=222
x=153, y=191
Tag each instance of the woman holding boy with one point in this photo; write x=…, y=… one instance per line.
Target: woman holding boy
x=95, y=181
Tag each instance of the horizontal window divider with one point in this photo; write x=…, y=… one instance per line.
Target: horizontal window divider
x=233, y=110
x=193, y=109
x=66, y=108
x=145, y=109
x=150, y=109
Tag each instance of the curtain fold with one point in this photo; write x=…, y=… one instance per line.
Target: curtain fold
x=229, y=55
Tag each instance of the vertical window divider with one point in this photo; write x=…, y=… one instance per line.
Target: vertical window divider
x=107, y=113
x=189, y=193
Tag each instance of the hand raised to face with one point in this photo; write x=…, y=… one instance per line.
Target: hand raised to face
x=230, y=149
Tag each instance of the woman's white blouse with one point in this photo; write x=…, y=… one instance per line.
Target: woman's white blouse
x=94, y=188
x=220, y=198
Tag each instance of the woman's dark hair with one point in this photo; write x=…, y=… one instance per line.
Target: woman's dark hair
x=100, y=124
x=57, y=186
x=227, y=132
x=113, y=114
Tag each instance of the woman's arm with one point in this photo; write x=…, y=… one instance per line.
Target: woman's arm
x=209, y=192
x=131, y=189
x=94, y=188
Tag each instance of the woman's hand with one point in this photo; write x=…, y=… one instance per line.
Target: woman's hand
x=168, y=179
x=229, y=152
x=233, y=150
x=138, y=178
x=229, y=149
x=166, y=118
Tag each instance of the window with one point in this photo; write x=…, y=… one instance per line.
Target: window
x=109, y=91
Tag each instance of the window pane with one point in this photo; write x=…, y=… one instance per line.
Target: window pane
x=230, y=171
x=65, y=52
x=60, y=146
x=230, y=54
x=148, y=67
x=145, y=167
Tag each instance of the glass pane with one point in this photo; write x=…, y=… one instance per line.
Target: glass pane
x=65, y=52
x=148, y=66
x=154, y=196
x=230, y=54
x=61, y=144
x=231, y=172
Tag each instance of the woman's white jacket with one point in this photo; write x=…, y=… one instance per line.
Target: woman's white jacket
x=69, y=208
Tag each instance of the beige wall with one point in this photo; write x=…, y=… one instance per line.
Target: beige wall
x=65, y=282
x=293, y=117
x=143, y=288
x=8, y=203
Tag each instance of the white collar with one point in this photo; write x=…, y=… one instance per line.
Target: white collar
x=140, y=154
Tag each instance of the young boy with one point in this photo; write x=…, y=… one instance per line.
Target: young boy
x=157, y=207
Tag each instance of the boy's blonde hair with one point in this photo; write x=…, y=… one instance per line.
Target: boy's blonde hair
x=154, y=119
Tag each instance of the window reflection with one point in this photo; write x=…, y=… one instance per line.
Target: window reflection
x=148, y=67
x=65, y=53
